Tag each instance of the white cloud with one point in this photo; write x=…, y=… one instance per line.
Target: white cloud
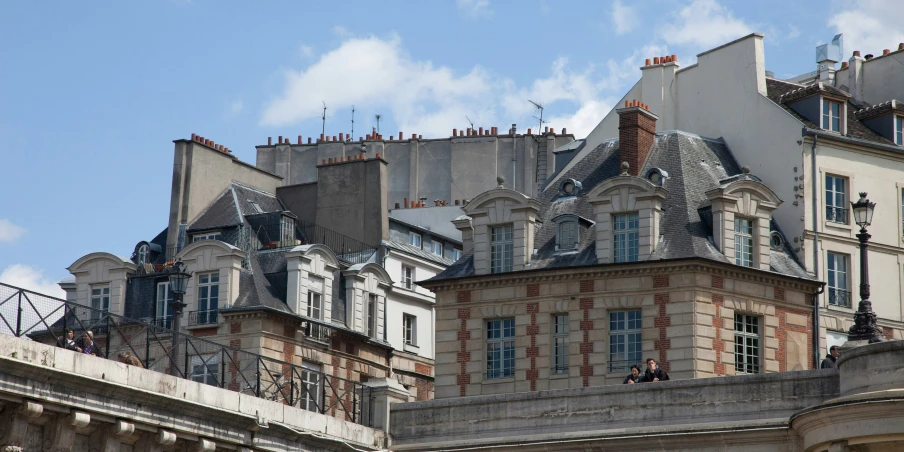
x=475, y=9
x=793, y=33
x=706, y=24
x=869, y=26
x=27, y=277
x=422, y=97
x=9, y=232
x=623, y=17
x=236, y=107
x=306, y=51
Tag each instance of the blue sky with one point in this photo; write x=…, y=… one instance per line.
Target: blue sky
x=92, y=94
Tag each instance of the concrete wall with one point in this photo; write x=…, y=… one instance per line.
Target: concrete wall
x=352, y=199
x=300, y=199
x=881, y=77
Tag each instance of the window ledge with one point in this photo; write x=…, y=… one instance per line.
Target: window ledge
x=411, y=348
x=834, y=225
x=202, y=326
x=489, y=381
x=850, y=310
x=553, y=376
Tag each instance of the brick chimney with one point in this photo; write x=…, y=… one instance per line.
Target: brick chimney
x=636, y=129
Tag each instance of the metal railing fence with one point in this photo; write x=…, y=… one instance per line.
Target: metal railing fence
x=30, y=315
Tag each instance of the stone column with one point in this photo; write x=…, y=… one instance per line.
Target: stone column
x=385, y=392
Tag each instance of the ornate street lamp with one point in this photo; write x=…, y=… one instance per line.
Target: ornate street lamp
x=178, y=281
x=865, y=328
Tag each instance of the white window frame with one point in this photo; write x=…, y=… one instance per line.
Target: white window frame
x=163, y=311
x=502, y=248
x=567, y=235
x=215, y=235
x=560, y=344
x=744, y=241
x=144, y=252
x=415, y=239
x=286, y=231
x=408, y=273
x=100, y=299
x=370, y=323
x=456, y=254
x=315, y=305
x=438, y=251
x=311, y=379
x=748, y=344
x=409, y=329
x=899, y=130
x=206, y=369
x=211, y=302
x=828, y=117
x=625, y=339
x=837, y=282
x=625, y=237
x=836, y=208
x=500, y=348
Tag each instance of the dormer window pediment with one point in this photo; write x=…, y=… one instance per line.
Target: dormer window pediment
x=492, y=215
x=628, y=211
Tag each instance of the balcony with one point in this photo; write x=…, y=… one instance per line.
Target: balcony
x=208, y=317
x=164, y=322
x=839, y=297
x=837, y=214
x=284, y=234
x=317, y=331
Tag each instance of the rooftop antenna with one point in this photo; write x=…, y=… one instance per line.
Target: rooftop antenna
x=470, y=122
x=378, y=116
x=539, y=107
x=353, y=122
x=323, y=118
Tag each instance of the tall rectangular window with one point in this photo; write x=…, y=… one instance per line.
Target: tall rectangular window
x=560, y=344
x=437, y=248
x=206, y=369
x=831, y=115
x=567, y=235
x=899, y=130
x=163, y=311
x=625, y=344
x=208, y=298
x=409, y=329
x=414, y=239
x=743, y=245
x=500, y=348
x=836, y=199
x=371, y=315
x=501, y=248
x=625, y=237
x=839, y=293
x=315, y=305
x=408, y=277
x=100, y=300
x=747, y=344
x=311, y=388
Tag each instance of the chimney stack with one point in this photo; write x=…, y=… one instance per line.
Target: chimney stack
x=636, y=129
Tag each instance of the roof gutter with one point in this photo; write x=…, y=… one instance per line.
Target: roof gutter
x=857, y=141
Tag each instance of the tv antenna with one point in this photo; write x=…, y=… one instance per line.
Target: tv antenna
x=353, y=122
x=539, y=107
x=377, y=117
x=470, y=122
x=323, y=119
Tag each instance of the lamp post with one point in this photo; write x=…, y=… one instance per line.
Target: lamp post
x=178, y=281
x=864, y=328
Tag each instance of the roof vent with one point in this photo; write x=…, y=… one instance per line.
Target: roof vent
x=776, y=241
x=657, y=176
x=570, y=187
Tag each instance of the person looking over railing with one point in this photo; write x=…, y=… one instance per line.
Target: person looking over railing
x=88, y=346
x=67, y=341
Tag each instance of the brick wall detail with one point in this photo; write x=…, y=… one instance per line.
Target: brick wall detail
x=587, y=286
x=662, y=322
x=718, y=342
x=784, y=327
x=779, y=293
x=235, y=327
x=586, y=304
x=533, y=351
x=718, y=282
x=660, y=281
x=889, y=333
x=464, y=379
x=463, y=296
x=533, y=290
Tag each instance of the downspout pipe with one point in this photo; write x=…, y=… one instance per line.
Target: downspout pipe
x=514, y=160
x=815, y=217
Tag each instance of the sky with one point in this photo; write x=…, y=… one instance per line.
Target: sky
x=92, y=94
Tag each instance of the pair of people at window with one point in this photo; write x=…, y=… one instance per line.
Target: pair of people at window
x=653, y=373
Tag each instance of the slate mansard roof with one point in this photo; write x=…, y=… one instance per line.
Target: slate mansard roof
x=694, y=165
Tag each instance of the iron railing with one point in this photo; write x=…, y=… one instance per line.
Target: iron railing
x=208, y=317
x=274, y=235
x=33, y=316
x=839, y=297
x=164, y=322
x=837, y=214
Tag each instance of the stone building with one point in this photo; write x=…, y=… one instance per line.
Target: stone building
x=653, y=245
x=816, y=140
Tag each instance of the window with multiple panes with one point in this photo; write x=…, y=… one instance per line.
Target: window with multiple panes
x=560, y=344
x=409, y=329
x=831, y=115
x=500, y=348
x=207, y=236
x=625, y=237
x=100, y=300
x=414, y=239
x=899, y=130
x=501, y=248
x=836, y=199
x=208, y=297
x=567, y=235
x=747, y=344
x=143, y=252
x=743, y=241
x=311, y=391
x=206, y=369
x=456, y=254
x=371, y=320
x=437, y=248
x=625, y=345
x=315, y=305
x=837, y=275
x=407, y=276
x=163, y=310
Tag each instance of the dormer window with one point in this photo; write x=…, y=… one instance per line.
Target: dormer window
x=414, y=239
x=207, y=236
x=744, y=242
x=501, y=248
x=899, y=130
x=143, y=252
x=831, y=115
x=567, y=235
x=626, y=237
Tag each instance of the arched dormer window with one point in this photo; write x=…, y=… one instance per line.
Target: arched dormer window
x=143, y=251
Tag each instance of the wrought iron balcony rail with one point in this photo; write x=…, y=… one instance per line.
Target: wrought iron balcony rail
x=839, y=297
x=274, y=235
x=837, y=214
x=33, y=316
x=208, y=317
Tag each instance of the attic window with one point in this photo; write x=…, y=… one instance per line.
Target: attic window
x=567, y=237
x=776, y=241
x=657, y=176
x=831, y=115
x=143, y=252
x=255, y=206
x=570, y=187
x=899, y=130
